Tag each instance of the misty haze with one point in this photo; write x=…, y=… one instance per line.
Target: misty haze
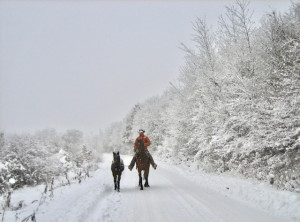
x=203, y=96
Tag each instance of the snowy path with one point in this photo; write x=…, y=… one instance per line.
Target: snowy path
x=171, y=197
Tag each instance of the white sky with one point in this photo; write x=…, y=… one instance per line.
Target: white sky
x=85, y=64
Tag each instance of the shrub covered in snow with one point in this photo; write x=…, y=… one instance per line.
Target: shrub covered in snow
x=31, y=159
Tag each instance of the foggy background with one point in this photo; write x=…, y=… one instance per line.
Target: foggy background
x=85, y=64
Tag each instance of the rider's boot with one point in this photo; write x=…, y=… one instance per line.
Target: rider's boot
x=131, y=165
x=154, y=165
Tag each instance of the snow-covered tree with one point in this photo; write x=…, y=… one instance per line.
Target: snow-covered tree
x=235, y=106
x=112, y=138
x=31, y=159
x=127, y=130
x=72, y=140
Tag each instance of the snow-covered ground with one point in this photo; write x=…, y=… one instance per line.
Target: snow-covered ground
x=177, y=193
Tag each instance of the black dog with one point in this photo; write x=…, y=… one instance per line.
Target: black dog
x=117, y=167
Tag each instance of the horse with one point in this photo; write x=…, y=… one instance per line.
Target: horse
x=117, y=167
x=143, y=164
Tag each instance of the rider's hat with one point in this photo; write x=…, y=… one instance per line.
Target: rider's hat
x=141, y=131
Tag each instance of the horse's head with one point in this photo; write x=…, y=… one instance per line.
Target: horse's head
x=116, y=157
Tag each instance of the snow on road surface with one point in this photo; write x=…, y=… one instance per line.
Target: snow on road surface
x=173, y=196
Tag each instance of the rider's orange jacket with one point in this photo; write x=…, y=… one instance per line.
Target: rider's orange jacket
x=146, y=142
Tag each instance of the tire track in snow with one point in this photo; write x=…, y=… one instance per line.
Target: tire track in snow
x=88, y=214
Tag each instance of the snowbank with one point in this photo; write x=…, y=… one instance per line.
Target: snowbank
x=280, y=203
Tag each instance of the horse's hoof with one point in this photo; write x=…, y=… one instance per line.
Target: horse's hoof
x=147, y=185
x=141, y=189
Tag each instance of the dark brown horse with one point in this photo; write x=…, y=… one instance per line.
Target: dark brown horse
x=117, y=167
x=143, y=164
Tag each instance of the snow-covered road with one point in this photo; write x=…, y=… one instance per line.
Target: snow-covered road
x=176, y=195
x=171, y=197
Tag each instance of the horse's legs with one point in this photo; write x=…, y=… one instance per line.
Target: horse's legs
x=119, y=178
x=146, y=183
x=115, y=181
x=141, y=182
x=146, y=174
x=140, y=179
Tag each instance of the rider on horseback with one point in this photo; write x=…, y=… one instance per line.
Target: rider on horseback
x=142, y=142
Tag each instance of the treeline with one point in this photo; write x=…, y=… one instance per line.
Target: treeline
x=32, y=159
x=235, y=106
